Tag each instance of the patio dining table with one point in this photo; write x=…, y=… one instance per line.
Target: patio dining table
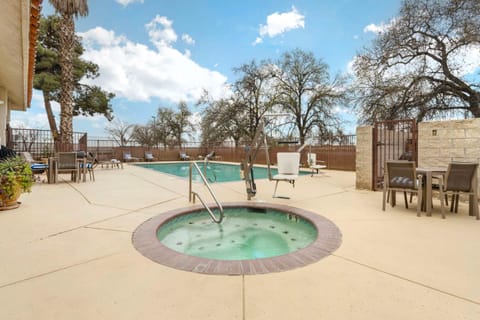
x=429, y=172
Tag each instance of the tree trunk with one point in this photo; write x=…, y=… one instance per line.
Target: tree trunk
x=475, y=105
x=51, y=119
x=67, y=34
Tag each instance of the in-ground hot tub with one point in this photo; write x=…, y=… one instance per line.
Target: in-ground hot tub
x=253, y=238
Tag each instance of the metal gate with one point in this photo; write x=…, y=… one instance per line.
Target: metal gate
x=392, y=140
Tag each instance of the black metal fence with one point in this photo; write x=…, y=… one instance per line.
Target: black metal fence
x=40, y=143
x=392, y=140
x=338, y=151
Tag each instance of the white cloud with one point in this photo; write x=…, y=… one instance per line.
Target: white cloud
x=127, y=2
x=101, y=37
x=466, y=60
x=161, y=32
x=35, y=117
x=29, y=120
x=379, y=28
x=188, y=39
x=138, y=73
x=257, y=41
x=279, y=23
x=350, y=66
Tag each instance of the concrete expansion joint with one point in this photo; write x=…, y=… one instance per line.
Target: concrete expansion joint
x=56, y=270
x=108, y=229
x=155, y=184
x=407, y=279
x=79, y=192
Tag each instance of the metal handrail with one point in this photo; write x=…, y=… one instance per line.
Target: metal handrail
x=195, y=194
x=205, y=164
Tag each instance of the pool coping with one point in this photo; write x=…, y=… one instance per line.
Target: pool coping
x=329, y=239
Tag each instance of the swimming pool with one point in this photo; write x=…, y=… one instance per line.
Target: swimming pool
x=216, y=172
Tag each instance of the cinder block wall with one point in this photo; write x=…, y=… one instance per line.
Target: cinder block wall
x=364, y=158
x=441, y=142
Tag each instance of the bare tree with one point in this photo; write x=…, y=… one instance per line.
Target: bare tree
x=222, y=120
x=307, y=93
x=238, y=116
x=416, y=67
x=171, y=126
x=181, y=124
x=253, y=93
x=143, y=135
x=120, y=131
x=161, y=127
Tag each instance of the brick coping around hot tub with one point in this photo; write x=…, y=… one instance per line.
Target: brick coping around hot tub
x=328, y=239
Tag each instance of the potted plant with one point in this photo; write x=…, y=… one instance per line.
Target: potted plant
x=15, y=177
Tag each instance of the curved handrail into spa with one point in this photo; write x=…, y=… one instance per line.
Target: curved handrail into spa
x=195, y=194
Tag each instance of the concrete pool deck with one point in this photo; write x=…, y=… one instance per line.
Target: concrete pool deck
x=66, y=253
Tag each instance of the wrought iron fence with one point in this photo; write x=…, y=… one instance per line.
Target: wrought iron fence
x=40, y=143
x=337, y=151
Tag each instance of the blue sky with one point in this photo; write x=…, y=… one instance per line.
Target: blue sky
x=154, y=53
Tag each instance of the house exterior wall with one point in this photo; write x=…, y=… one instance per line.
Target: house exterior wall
x=19, y=22
x=3, y=115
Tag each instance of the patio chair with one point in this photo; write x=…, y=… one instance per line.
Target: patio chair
x=90, y=164
x=313, y=164
x=127, y=157
x=183, y=156
x=67, y=163
x=288, y=166
x=401, y=176
x=461, y=178
x=37, y=167
x=149, y=156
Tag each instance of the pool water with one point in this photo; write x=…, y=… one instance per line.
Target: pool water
x=215, y=172
x=245, y=233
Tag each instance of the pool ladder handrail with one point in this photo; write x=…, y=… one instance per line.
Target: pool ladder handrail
x=191, y=193
x=205, y=165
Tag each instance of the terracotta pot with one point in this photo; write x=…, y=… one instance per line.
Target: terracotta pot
x=12, y=200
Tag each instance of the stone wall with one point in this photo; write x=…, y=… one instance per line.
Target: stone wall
x=439, y=143
x=364, y=158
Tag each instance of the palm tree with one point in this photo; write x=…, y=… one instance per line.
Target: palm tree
x=68, y=9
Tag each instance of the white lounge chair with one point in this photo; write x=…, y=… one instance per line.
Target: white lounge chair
x=183, y=156
x=127, y=156
x=314, y=164
x=288, y=164
x=149, y=156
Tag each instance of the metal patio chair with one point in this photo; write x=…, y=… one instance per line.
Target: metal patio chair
x=401, y=176
x=461, y=178
x=67, y=163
